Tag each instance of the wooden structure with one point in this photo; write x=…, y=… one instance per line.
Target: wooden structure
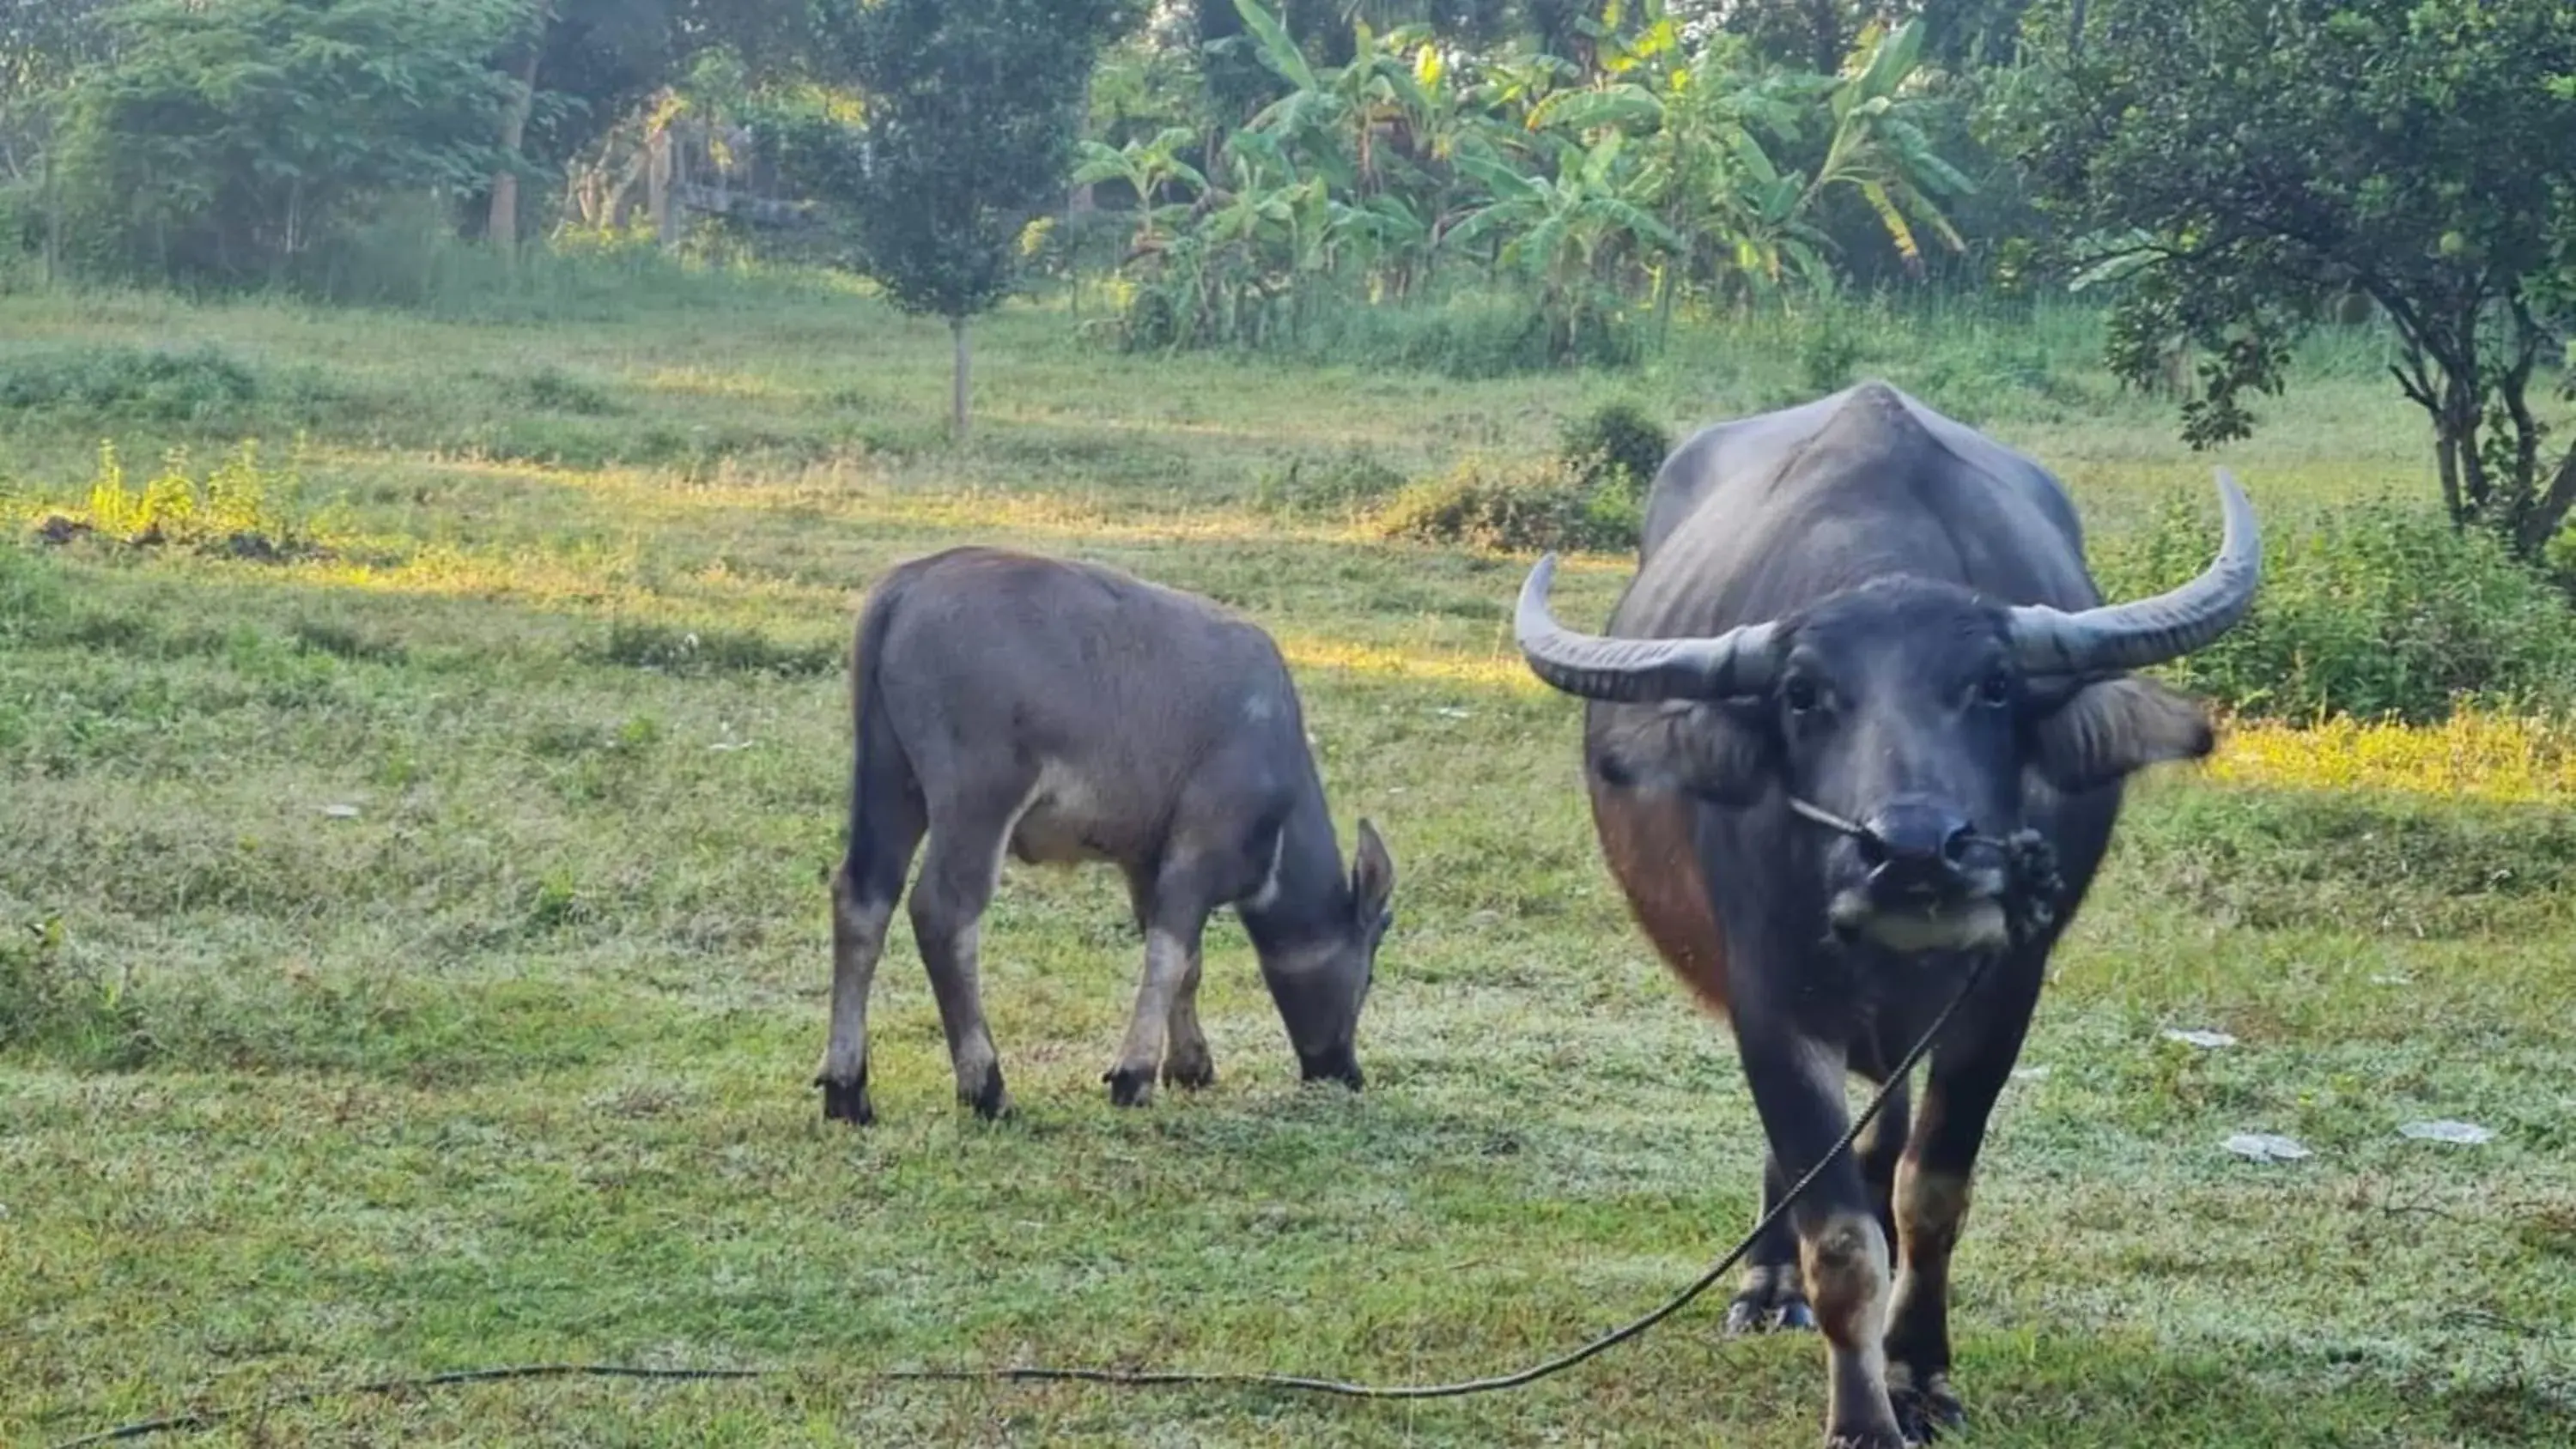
x=664, y=164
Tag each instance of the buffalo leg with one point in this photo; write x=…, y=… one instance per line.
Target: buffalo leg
x=885, y=829
x=1842, y=1251
x=1931, y=1198
x=1880, y=1149
x=1186, y=1062
x=1771, y=1296
x=1172, y=934
x=957, y=880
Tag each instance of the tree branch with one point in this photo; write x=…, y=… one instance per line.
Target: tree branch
x=2541, y=523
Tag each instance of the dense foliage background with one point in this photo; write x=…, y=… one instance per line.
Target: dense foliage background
x=1474, y=187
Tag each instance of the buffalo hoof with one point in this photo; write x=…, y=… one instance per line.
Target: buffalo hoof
x=847, y=1101
x=1769, y=1313
x=1191, y=1073
x=1928, y=1411
x=1129, y=1086
x=989, y=1100
x=1867, y=1439
x=1336, y=1064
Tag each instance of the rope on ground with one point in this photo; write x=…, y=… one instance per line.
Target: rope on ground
x=1138, y=1378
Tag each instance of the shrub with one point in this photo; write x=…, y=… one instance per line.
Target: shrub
x=1515, y=506
x=239, y=509
x=1829, y=353
x=2375, y=610
x=224, y=142
x=127, y=382
x=1615, y=443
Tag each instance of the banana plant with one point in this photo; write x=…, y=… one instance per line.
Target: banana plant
x=1149, y=166
x=1879, y=148
x=1573, y=234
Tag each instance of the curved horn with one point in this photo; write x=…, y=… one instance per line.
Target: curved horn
x=1635, y=670
x=2151, y=631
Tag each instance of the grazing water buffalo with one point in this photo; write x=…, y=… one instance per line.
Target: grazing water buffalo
x=1859, y=686
x=1067, y=712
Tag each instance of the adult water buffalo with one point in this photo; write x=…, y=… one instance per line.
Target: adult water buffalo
x=1859, y=686
x=1062, y=712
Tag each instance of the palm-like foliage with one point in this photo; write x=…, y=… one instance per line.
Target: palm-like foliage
x=1150, y=166
x=1651, y=171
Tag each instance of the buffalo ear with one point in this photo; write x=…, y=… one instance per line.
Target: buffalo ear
x=1720, y=752
x=1372, y=874
x=2109, y=729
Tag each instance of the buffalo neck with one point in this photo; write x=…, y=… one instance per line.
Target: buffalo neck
x=1309, y=898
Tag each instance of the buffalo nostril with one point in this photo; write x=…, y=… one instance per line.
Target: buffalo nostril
x=1915, y=841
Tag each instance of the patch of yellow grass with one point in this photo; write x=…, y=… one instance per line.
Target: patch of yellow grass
x=1497, y=671
x=2469, y=756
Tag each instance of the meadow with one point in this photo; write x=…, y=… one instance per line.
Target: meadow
x=416, y=950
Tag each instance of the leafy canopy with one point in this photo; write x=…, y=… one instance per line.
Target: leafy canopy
x=971, y=112
x=2240, y=163
x=222, y=140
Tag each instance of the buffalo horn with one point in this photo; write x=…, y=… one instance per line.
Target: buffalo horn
x=1733, y=663
x=2150, y=631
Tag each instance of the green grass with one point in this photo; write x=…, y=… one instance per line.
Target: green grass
x=510, y=1064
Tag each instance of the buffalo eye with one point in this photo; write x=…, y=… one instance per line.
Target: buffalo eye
x=1800, y=695
x=1996, y=690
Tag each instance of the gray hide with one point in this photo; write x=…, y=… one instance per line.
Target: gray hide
x=1068, y=712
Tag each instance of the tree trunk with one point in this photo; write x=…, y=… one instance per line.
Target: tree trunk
x=2446, y=458
x=958, y=381
x=2549, y=514
x=53, y=223
x=503, y=226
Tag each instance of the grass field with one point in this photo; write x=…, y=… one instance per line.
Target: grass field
x=417, y=954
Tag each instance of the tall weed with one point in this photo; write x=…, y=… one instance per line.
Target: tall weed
x=2373, y=610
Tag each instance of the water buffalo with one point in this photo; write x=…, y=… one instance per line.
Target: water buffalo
x=1065, y=712
x=1860, y=672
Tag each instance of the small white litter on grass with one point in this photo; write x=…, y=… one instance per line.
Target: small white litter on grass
x=2391, y=978
x=341, y=812
x=2466, y=1133
x=2266, y=1147
x=2208, y=1039
x=2031, y=1074
x=1448, y=712
x=731, y=745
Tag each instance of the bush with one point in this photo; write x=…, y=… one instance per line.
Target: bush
x=128, y=382
x=1515, y=506
x=223, y=142
x=1615, y=443
x=239, y=509
x=2378, y=610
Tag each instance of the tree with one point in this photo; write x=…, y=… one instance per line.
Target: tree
x=226, y=141
x=2239, y=164
x=43, y=44
x=577, y=67
x=971, y=111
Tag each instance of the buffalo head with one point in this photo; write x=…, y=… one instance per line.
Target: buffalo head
x=1915, y=718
